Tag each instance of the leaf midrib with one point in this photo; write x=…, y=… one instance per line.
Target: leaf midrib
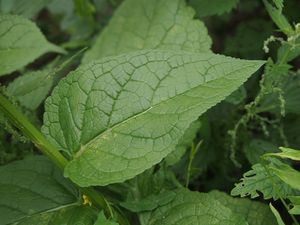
x=83, y=147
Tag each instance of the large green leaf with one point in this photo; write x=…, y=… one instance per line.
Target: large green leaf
x=21, y=42
x=254, y=212
x=32, y=186
x=194, y=208
x=121, y=115
x=151, y=24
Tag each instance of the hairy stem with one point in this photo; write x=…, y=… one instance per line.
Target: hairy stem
x=38, y=139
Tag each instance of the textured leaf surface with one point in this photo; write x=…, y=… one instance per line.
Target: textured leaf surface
x=31, y=88
x=72, y=215
x=194, y=208
x=209, y=8
x=166, y=24
x=261, y=179
x=21, y=42
x=254, y=212
x=121, y=115
x=32, y=186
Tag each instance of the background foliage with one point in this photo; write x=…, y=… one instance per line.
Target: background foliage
x=160, y=143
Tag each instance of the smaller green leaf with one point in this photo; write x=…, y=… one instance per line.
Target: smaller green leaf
x=295, y=200
x=261, y=179
x=277, y=215
x=287, y=153
x=21, y=42
x=289, y=175
x=101, y=220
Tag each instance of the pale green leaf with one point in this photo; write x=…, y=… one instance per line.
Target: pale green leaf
x=101, y=220
x=277, y=215
x=21, y=42
x=72, y=215
x=32, y=186
x=167, y=24
x=287, y=153
x=287, y=174
x=194, y=208
x=217, y=7
x=261, y=180
x=255, y=213
x=295, y=200
x=21, y=7
x=121, y=115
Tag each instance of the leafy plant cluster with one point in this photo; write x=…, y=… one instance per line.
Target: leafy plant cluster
x=149, y=112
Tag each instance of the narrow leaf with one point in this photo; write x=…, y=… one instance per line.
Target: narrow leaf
x=277, y=215
x=287, y=153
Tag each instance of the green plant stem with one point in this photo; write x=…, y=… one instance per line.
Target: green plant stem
x=31, y=132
